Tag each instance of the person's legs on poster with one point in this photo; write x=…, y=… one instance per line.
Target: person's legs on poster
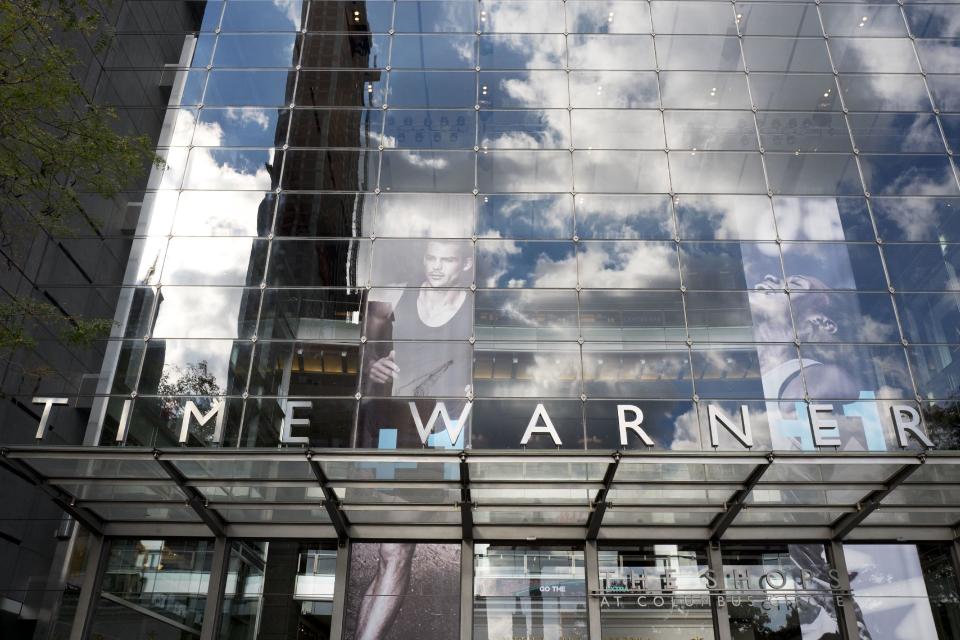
x=383, y=597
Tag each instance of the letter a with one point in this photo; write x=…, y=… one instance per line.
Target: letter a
x=540, y=413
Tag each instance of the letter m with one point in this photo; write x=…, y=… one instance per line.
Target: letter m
x=191, y=410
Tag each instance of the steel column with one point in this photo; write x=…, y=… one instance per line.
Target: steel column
x=340, y=590
x=215, y=587
x=846, y=612
x=718, y=599
x=90, y=589
x=466, y=590
x=592, y=567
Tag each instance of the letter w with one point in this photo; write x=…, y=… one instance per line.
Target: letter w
x=440, y=409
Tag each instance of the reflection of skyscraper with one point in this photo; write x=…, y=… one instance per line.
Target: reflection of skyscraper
x=324, y=138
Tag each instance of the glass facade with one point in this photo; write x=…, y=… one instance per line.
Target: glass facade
x=522, y=320
x=578, y=204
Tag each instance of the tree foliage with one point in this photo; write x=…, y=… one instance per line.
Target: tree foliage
x=56, y=146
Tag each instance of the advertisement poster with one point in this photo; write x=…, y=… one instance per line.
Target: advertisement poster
x=403, y=591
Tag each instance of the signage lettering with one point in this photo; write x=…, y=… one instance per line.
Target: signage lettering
x=534, y=426
x=823, y=425
x=191, y=410
x=718, y=419
x=632, y=425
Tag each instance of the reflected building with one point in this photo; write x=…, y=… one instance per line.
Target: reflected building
x=538, y=319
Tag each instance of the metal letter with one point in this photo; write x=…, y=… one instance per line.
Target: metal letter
x=45, y=416
x=440, y=410
x=190, y=409
x=124, y=421
x=718, y=419
x=817, y=426
x=910, y=427
x=532, y=427
x=633, y=425
x=289, y=421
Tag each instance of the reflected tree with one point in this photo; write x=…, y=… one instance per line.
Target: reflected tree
x=193, y=381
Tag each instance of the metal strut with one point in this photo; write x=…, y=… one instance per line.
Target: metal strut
x=330, y=502
x=600, y=503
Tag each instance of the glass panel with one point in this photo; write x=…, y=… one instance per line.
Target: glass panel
x=524, y=216
x=795, y=55
x=526, y=51
x=511, y=264
x=816, y=131
x=659, y=589
x=697, y=18
x=780, y=589
x=628, y=265
x=725, y=217
x=526, y=315
x=529, y=592
x=541, y=129
x=278, y=585
x=704, y=90
x=615, y=89
x=624, y=216
x=546, y=371
x=621, y=316
x=260, y=15
x=154, y=587
x=896, y=585
x=607, y=16
x=607, y=128
x=434, y=52
x=452, y=16
x=710, y=130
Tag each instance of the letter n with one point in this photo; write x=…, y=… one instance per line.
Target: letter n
x=719, y=419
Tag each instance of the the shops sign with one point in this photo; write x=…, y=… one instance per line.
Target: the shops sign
x=631, y=429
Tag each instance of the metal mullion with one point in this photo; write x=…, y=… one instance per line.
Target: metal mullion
x=217, y=582
x=340, y=590
x=846, y=612
x=592, y=569
x=721, y=614
x=90, y=588
x=466, y=501
x=466, y=589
